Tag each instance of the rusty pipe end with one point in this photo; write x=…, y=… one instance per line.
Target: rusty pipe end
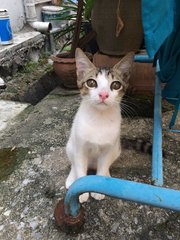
x=67, y=223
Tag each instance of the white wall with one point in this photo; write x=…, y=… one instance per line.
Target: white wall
x=16, y=12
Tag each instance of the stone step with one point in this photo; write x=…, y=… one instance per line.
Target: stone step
x=8, y=111
x=26, y=46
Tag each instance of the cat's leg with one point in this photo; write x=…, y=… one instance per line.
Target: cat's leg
x=72, y=175
x=81, y=168
x=103, y=165
x=71, y=178
x=79, y=165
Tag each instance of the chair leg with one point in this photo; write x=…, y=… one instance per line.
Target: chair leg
x=174, y=116
x=157, y=159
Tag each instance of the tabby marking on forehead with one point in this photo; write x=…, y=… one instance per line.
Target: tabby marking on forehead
x=107, y=71
x=112, y=74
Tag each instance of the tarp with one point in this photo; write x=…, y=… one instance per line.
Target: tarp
x=169, y=59
x=161, y=24
x=158, y=19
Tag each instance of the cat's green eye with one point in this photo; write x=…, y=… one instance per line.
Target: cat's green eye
x=116, y=85
x=91, y=83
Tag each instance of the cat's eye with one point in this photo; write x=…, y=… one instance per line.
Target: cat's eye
x=91, y=83
x=116, y=85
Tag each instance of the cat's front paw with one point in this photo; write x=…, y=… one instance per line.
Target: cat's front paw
x=83, y=197
x=97, y=196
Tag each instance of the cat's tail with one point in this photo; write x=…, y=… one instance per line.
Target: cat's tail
x=137, y=144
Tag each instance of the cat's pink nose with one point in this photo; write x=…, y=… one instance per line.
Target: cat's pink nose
x=103, y=95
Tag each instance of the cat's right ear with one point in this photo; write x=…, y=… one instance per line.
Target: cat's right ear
x=83, y=64
x=124, y=66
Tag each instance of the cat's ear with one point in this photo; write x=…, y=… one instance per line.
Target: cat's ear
x=82, y=63
x=124, y=66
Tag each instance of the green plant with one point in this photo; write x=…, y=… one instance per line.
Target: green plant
x=32, y=66
x=74, y=13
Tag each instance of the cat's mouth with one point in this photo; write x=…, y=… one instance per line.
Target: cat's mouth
x=102, y=103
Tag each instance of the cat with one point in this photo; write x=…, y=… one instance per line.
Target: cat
x=94, y=141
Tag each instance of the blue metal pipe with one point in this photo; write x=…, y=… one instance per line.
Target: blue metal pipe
x=143, y=59
x=157, y=160
x=174, y=130
x=123, y=189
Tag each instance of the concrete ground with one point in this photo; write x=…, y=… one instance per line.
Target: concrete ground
x=34, y=166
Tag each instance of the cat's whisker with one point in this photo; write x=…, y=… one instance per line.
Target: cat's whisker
x=130, y=102
x=126, y=113
x=129, y=109
x=125, y=101
x=133, y=111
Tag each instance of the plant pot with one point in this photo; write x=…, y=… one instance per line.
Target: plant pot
x=65, y=68
x=104, y=22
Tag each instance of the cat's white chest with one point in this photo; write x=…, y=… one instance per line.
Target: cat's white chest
x=96, y=127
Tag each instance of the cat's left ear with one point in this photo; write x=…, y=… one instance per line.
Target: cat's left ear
x=82, y=63
x=124, y=66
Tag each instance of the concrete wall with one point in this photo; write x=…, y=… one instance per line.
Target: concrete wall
x=16, y=12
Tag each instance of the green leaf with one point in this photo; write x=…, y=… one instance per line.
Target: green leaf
x=88, y=8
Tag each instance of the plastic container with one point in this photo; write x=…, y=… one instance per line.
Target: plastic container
x=6, y=36
x=51, y=14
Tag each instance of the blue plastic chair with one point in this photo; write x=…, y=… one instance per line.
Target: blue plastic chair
x=68, y=212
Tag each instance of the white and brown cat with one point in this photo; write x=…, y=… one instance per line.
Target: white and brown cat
x=94, y=141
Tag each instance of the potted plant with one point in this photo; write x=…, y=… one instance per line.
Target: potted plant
x=64, y=63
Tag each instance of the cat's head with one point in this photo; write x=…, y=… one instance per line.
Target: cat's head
x=102, y=87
